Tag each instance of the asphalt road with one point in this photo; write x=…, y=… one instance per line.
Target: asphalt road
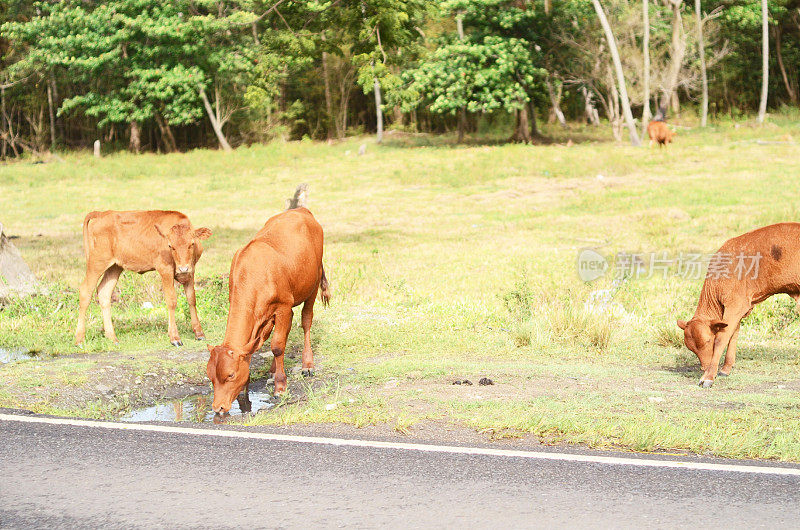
x=76, y=476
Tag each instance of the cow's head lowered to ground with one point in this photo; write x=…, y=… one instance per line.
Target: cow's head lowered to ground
x=229, y=372
x=185, y=245
x=699, y=335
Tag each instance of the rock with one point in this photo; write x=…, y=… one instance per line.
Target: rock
x=103, y=389
x=485, y=381
x=147, y=305
x=362, y=150
x=16, y=278
x=330, y=406
x=462, y=382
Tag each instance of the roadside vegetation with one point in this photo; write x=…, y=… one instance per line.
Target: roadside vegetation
x=446, y=262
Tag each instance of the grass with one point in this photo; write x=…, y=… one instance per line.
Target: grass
x=446, y=262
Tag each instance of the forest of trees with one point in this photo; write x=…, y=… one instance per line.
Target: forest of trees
x=169, y=75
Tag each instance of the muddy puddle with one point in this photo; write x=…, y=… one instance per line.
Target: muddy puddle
x=197, y=408
x=10, y=355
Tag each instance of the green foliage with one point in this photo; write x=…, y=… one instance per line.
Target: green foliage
x=134, y=59
x=485, y=76
x=260, y=62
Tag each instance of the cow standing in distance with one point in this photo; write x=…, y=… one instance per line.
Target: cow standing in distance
x=280, y=268
x=659, y=132
x=140, y=241
x=747, y=270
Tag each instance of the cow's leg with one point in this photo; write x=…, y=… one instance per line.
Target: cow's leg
x=283, y=323
x=171, y=298
x=104, y=292
x=93, y=273
x=191, y=299
x=307, y=317
x=732, y=316
x=730, y=355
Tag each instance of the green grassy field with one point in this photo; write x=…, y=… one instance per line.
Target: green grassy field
x=446, y=263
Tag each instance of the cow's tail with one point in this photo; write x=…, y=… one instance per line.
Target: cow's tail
x=86, y=239
x=324, y=289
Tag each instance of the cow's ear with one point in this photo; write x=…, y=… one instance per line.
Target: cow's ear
x=682, y=324
x=210, y=348
x=202, y=233
x=717, y=326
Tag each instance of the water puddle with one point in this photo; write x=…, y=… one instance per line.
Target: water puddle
x=197, y=408
x=10, y=355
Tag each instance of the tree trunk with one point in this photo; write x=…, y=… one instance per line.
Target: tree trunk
x=52, y=113
x=3, y=129
x=762, y=107
x=379, y=110
x=398, y=116
x=555, y=101
x=646, y=67
x=614, y=116
x=612, y=45
x=677, y=54
x=702, y=50
x=223, y=142
x=135, y=143
x=166, y=135
x=532, y=115
x=592, y=116
x=326, y=81
x=522, y=132
x=462, y=112
x=789, y=89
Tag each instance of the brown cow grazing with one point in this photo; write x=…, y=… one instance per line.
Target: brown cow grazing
x=279, y=269
x=140, y=241
x=658, y=131
x=747, y=270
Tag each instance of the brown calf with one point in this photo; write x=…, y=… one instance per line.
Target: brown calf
x=140, y=241
x=279, y=269
x=747, y=270
x=658, y=131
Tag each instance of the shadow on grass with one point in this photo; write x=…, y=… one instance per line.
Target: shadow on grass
x=366, y=236
x=687, y=365
x=409, y=140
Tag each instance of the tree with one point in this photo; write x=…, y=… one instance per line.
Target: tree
x=134, y=61
x=702, y=52
x=646, y=66
x=762, y=107
x=485, y=76
x=623, y=91
x=387, y=38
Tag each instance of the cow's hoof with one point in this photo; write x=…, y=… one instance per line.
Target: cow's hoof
x=308, y=372
x=177, y=343
x=705, y=383
x=200, y=337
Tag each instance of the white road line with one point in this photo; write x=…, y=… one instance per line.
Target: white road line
x=566, y=457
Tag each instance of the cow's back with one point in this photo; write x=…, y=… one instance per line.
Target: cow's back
x=772, y=255
x=129, y=238
x=295, y=234
x=286, y=255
